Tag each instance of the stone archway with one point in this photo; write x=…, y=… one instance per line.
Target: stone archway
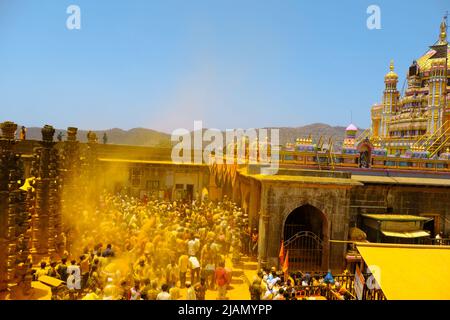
x=365, y=153
x=305, y=235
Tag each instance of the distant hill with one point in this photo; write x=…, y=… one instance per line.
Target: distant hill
x=135, y=136
x=152, y=138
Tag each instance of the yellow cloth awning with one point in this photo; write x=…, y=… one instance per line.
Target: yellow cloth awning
x=411, y=272
x=406, y=234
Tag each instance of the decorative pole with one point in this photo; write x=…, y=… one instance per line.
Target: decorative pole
x=44, y=166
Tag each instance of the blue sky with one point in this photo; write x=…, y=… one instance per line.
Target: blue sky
x=230, y=63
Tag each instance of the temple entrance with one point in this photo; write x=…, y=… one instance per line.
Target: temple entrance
x=304, y=233
x=365, y=153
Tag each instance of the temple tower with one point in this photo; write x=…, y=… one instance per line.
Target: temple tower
x=390, y=100
x=419, y=119
x=438, y=82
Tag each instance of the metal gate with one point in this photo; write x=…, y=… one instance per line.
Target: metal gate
x=305, y=251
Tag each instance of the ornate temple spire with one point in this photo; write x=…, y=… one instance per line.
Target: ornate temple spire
x=391, y=75
x=443, y=33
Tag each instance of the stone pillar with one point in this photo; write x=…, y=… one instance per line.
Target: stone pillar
x=3, y=238
x=91, y=173
x=213, y=192
x=71, y=191
x=54, y=229
x=13, y=209
x=264, y=228
x=44, y=169
x=27, y=236
x=255, y=191
x=339, y=221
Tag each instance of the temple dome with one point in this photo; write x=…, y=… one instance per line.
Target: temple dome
x=351, y=127
x=391, y=75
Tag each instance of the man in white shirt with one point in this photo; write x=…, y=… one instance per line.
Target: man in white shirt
x=164, y=294
x=193, y=246
x=190, y=294
x=195, y=269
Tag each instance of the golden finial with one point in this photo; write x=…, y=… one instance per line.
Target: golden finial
x=443, y=34
x=391, y=66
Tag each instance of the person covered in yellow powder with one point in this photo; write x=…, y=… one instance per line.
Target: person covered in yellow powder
x=183, y=264
x=172, y=273
x=42, y=271
x=208, y=262
x=23, y=133
x=111, y=291
x=140, y=270
x=190, y=292
x=93, y=295
x=146, y=286
x=149, y=249
x=84, y=269
x=181, y=245
x=153, y=292
x=94, y=281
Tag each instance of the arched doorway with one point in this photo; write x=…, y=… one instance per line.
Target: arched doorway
x=304, y=235
x=365, y=153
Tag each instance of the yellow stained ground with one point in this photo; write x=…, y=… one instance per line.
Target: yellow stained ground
x=239, y=287
x=39, y=292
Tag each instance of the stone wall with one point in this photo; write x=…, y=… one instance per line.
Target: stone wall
x=401, y=199
x=280, y=199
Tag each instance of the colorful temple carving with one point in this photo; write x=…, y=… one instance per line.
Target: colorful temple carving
x=418, y=120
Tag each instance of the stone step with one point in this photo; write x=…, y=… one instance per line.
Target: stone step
x=237, y=281
x=250, y=266
x=237, y=273
x=248, y=259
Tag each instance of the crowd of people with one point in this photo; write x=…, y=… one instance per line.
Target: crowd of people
x=275, y=285
x=152, y=249
x=131, y=249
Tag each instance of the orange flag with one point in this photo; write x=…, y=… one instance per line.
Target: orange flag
x=281, y=255
x=286, y=263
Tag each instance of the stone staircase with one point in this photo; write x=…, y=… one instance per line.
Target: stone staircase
x=246, y=267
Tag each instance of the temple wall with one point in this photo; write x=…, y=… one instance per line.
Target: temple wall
x=279, y=200
x=153, y=177
x=402, y=199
